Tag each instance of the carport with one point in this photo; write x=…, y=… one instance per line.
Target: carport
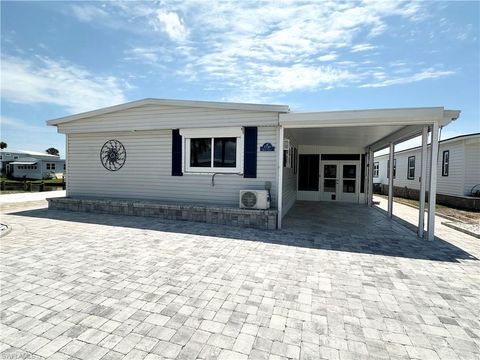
x=327, y=156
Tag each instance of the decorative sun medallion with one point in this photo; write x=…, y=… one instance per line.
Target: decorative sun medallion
x=113, y=155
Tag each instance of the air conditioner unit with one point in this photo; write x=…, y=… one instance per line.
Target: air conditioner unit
x=254, y=199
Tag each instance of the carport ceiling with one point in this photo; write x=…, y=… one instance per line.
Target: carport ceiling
x=360, y=136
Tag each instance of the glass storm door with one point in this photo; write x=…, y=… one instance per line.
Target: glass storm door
x=339, y=181
x=330, y=179
x=349, y=183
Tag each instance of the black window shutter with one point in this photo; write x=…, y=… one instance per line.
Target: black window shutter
x=176, y=153
x=250, y=152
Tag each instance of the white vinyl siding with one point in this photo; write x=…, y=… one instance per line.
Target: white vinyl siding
x=463, y=174
x=289, y=193
x=472, y=168
x=147, y=170
x=154, y=117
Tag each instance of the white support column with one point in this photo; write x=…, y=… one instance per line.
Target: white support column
x=280, y=177
x=423, y=182
x=432, y=191
x=66, y=171
x=390, y=180
x=370, y=178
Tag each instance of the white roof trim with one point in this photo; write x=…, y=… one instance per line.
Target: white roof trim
x=166, y=102
x=26, y=152
x=23, y=163
x=370, y=117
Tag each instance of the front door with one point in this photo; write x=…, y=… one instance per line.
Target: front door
x=339, y=181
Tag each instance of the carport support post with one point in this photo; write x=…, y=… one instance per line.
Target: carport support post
x=432, y=192
x=390, y=179
x=280, y=177
x=370, y=178
x=423, y=182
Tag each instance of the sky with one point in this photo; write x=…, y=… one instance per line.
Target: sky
x=60, y=58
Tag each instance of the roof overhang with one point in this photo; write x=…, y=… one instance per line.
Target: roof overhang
x=166, y=102
x=375, y=128
x=372, y=117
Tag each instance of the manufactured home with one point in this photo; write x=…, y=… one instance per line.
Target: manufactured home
x=458, y=172
x=231, y=163
x=31, y=165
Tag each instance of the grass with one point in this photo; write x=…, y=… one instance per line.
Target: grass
x=461, y=215
x=46, y=182
x=411, y=202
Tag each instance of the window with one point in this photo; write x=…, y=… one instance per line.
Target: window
x=376, y=169
x=1, y=157
x=394, y=168
x=64, y=166
x=411, y=168
x=445, y=162
x=15, y=157
x=287, y=154
x=48, y=166
x=213, y=150
x=213, y=153
x=53, y=166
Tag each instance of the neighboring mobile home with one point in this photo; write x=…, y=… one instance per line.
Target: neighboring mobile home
x=200, y=155
x=458, y=171
x=31, y=165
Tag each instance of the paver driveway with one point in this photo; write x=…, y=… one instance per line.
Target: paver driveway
x=92, y=286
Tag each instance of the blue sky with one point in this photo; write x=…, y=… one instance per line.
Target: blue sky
x=59, y=58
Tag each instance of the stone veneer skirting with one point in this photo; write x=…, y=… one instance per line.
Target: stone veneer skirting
x=260, y=219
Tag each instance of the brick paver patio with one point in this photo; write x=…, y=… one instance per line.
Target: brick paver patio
x=89, y=286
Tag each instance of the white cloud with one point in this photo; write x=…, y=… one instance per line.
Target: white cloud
x=328, y=57
x=89, y=13
x=422, y=75
x=171, y=24
x=42, y=80
x=17, y=124
x=142, y=53
x=362, y=47
x=265, y=48
x=301, y=77
x=269, y=47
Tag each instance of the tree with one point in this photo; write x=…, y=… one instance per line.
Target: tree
x=3, y=145
x=52, y=151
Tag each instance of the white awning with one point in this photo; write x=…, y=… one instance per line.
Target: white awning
x=23, y=163
x=364, y=128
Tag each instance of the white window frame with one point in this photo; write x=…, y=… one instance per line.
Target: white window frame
x=376, y=169
x=409, y=167
x=446, y=161
x=212, y=133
